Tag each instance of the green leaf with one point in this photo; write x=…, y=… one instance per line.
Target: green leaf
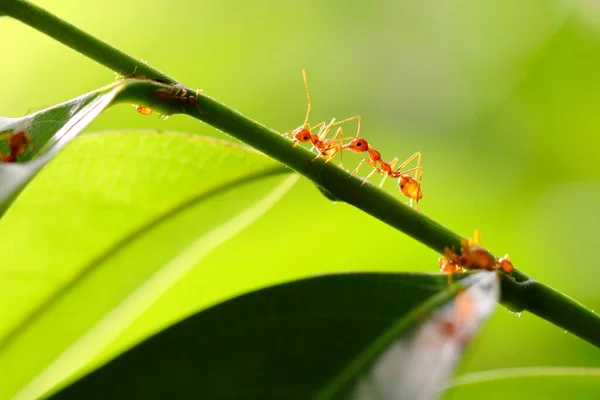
x=528, y=383
x=417, y=364
x=116, y=220
x=284, y=342
x=50, y=130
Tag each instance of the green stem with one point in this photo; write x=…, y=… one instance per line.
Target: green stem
x=519, y=292
x=558, y=308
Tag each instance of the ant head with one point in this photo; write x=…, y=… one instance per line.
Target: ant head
x=410, y=187
x=303, y=135
x=358, y=145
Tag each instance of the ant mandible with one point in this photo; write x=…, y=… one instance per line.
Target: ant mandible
x=17, y=142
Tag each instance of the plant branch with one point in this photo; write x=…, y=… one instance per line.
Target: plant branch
x=519, y=292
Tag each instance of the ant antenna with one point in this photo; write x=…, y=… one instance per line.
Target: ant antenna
x=307, y=97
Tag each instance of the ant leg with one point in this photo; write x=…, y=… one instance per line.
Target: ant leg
x=326, y=128
x=364, y=160
x=338, y=132
x=418, y=170
x=314, y=159
x=417, y=155
x=357, y=118
x=375, y=169
x=178, y=90
x=476, y=240
x=408, y=171
x=321, y=125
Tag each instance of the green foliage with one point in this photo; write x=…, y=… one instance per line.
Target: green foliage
x=139, y=203
x=155, y=213
x=293, y=341
x=53, y=129
x=540, y=383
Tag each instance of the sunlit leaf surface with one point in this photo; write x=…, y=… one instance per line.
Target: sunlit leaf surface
x=49, y=131
x=116, y=220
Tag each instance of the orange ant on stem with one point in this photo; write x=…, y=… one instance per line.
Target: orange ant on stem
x=408, y=186
x=473, y=256
x=328, y=148
x=17, y=143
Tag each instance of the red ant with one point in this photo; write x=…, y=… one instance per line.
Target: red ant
x=473, y=256
x=328, y=148
x=408, y=186
x=178, y=96
x=17, y=143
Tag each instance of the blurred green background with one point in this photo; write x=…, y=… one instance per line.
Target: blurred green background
x=500, y=96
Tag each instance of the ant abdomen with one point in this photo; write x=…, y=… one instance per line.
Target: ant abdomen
x=505, y=264
x=480, y=258
x=410, y=187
